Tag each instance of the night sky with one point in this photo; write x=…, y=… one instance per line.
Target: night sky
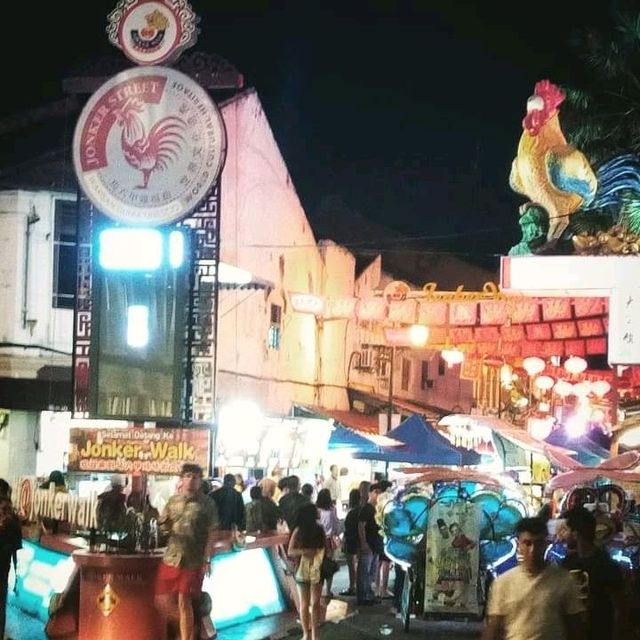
x=410, y=112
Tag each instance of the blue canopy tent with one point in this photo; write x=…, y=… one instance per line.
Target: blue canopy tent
x=347, y=439
x=588, y=452
x=423, y=445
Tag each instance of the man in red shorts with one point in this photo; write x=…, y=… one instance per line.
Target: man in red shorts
x=189, y=519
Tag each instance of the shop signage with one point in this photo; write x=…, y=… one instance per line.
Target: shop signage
x=152, y=31
x=148, y=146
x=154, y=451
x=35, y=503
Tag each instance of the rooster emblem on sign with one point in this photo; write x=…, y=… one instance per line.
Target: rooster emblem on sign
x=152, y=151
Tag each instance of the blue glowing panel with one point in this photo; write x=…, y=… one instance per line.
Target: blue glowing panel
x=243, y=587
x=41, y=573
x=122, y=249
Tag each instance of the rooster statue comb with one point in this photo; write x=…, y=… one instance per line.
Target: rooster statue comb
x=549, y=171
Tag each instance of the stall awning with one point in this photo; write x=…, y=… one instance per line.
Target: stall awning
x=380, y=403
x=354, y=420
x=588, y=452
x=506, y=430
x=424, y=445
x=344, y=438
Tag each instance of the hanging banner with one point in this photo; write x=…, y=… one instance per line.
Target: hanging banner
x=564, y=330
x=494, y=312
x=512, y=333
x=524, y=311
x=155, y=451
x=556, y=309
x=585, y=307
x=453, y=559
x=487, y=334
x=433, y=313
x=340, y=308
x=574, y=348
x=590, y=328
x=463, y=313
x=404, y=311
x=371, y=309
x=539, y=331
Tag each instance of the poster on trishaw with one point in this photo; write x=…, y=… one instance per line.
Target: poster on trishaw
x=453, y=559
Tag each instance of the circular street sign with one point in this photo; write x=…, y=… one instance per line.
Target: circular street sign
x=152, y=31
x=148, y=146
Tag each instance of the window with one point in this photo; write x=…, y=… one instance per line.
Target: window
x=64, y=254
x=406, y=373
x=274, y=334
x=425, y=381
x=442, y=366
x=366, y=359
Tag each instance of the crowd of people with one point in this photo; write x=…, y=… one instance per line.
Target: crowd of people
x=583, y=598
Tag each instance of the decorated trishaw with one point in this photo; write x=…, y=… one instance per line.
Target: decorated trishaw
x=608, y=491
x=452, y=532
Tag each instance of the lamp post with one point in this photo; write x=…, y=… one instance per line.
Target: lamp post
x=416, y=335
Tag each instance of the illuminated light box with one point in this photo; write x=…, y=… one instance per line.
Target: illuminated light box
x=130, y=249
x=243, y=587
x=41, y=574
x=140, y=313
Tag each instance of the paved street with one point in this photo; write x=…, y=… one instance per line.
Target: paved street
x=350, y=623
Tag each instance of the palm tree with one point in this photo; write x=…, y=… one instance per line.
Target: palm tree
x=601, y=116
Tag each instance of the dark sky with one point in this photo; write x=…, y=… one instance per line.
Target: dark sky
x=409, y=111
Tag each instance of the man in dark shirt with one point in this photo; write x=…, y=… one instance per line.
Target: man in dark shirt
x=10, y=542
x=111, y=505
x=370, y=546
x=291, y=502
x=230, y=505
x=598, y=576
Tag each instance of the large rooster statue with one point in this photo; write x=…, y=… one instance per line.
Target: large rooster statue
x=153, y=151
x=548, y=170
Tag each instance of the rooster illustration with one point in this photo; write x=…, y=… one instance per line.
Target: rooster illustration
x=153, y=151
x=548, y=170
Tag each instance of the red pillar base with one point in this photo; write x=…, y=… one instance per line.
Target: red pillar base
x=117, y=596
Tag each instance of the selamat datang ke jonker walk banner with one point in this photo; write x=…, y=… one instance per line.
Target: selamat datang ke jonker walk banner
x=152, y=451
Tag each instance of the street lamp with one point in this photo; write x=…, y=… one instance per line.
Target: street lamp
x=415, y=335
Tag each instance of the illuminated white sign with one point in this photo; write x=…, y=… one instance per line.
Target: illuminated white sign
x=307, y=303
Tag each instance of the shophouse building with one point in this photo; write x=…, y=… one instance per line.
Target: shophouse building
x=266, y=352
